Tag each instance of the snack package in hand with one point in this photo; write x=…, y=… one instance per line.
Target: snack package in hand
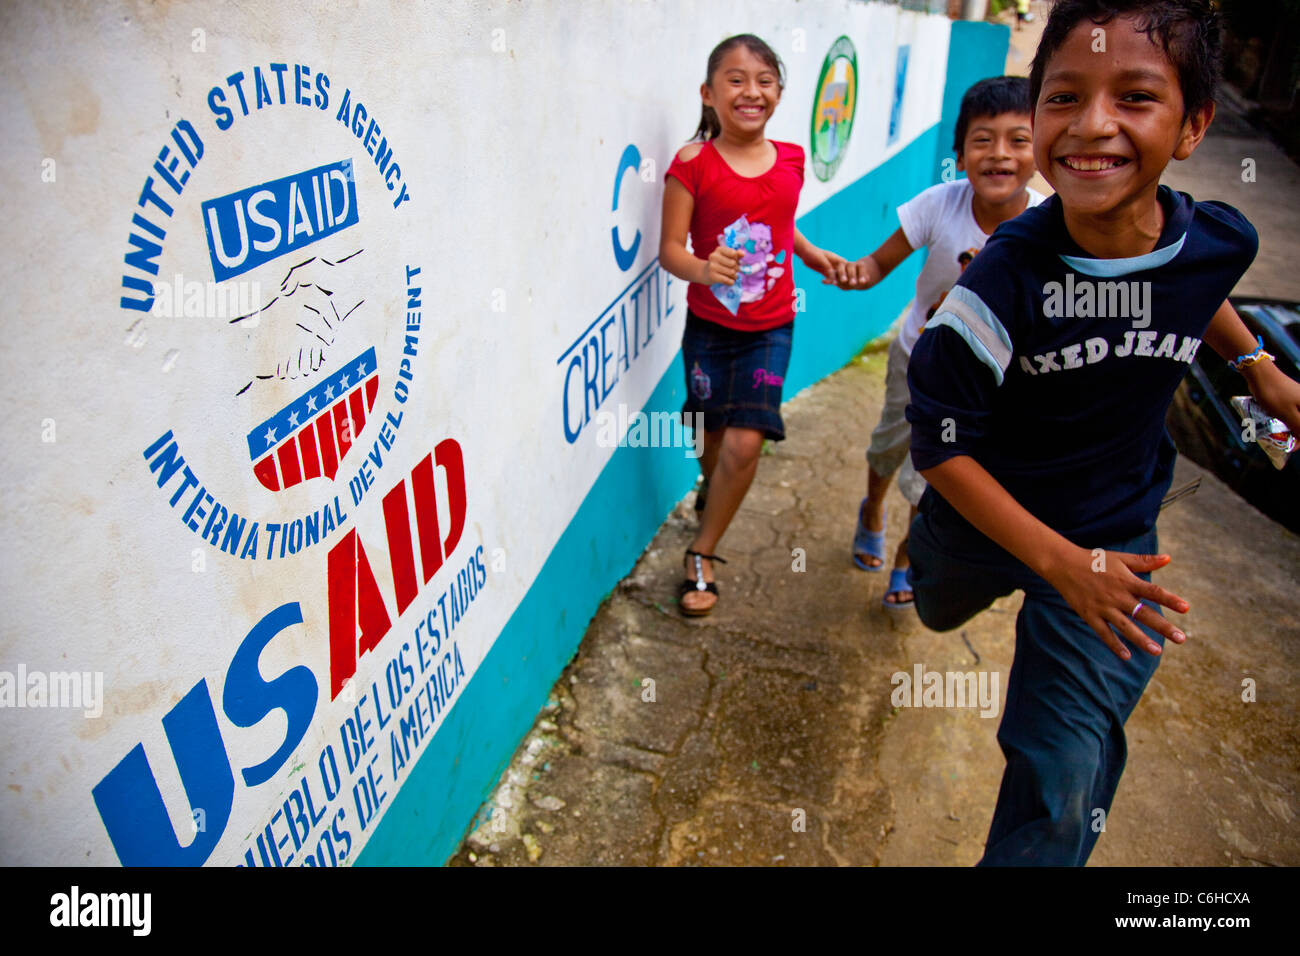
x=1272, y=435
x=733, y=237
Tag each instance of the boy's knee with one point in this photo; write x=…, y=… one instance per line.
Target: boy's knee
x=1054, y=809
x=938, y=614
x=1068, y=791
x=941, y=604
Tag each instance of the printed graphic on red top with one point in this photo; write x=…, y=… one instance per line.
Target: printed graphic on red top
x=756, y=277
x=752, y=213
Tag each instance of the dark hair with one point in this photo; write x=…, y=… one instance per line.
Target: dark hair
x=1186, y=30
x=991, y=97
x=709, y=126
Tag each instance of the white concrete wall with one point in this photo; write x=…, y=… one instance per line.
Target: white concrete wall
x=507, y=143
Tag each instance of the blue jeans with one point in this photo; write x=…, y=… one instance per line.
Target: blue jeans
x=1068, y=695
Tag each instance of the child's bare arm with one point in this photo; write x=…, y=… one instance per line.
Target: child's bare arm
x=1276, y=392
x=869, y=270
x=817, y=259
x=723, y=265
x=1103, y=589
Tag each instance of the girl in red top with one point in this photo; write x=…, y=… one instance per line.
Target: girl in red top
x=739, y=187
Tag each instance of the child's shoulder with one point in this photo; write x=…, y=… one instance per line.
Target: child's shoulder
x=942, y=199
x=693, y=149
x=689, y=151
x=1220, y=220
x=1018, y=255
x=790, y=156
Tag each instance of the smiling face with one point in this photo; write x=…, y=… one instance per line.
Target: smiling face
x=743, y=91
x=1107, y=122
x=998, y=156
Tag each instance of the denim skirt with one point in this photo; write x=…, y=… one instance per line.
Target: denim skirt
x=735, y=378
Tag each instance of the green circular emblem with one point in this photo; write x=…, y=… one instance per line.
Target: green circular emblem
x=833, y=105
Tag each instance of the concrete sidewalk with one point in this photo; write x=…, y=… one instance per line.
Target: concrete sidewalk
x=765, y=735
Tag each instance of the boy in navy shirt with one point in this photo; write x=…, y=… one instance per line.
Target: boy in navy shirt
x=1038, y=398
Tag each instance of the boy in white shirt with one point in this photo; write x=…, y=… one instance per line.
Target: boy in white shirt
x=994, y=147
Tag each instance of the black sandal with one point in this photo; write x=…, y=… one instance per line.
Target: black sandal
x=699, y=584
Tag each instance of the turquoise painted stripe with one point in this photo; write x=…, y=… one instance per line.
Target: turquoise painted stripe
x=429, y=816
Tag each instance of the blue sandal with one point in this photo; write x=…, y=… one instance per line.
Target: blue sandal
x=899, y=580
x=869, y=542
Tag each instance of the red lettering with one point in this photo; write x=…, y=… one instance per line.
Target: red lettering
x=449, y=456
x=401, y=553
x=426, y=517
x=355, y=605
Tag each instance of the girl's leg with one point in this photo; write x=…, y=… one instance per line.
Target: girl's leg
x=709, y=449
x=732, y=474
x=709, y=453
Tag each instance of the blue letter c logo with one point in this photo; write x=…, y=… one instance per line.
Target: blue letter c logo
x=625, y=257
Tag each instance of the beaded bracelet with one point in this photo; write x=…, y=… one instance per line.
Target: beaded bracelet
x=1250, y=358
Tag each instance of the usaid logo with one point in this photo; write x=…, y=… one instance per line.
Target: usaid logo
x=260, y=223
x=300, y=369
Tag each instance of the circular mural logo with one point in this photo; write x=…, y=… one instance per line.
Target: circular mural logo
x=297, y=373
x=833, y=106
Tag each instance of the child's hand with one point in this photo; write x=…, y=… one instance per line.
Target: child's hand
x=822, y=261
x=1104, y=590
x=724, y=266
x=1277, y=393
x=862, y=274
